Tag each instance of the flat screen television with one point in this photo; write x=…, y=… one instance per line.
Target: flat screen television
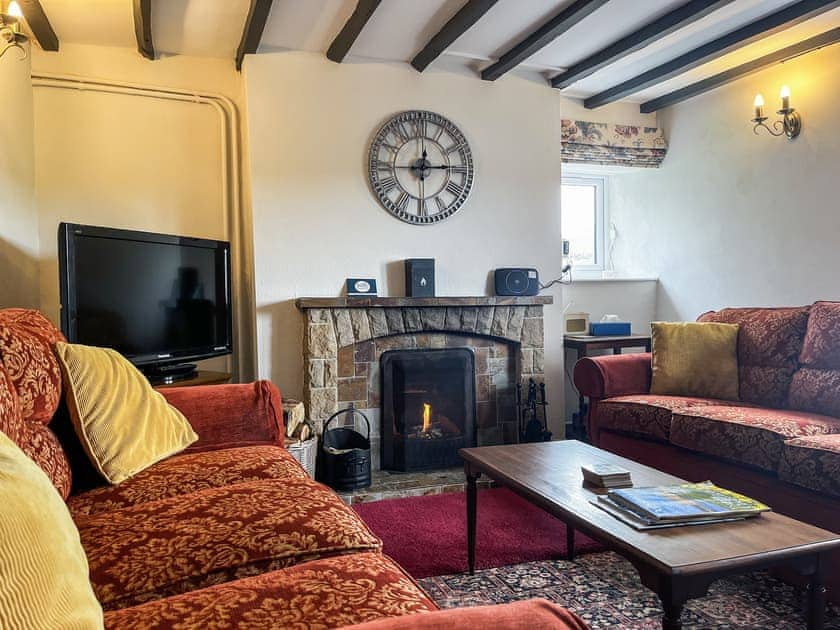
x=158, y=299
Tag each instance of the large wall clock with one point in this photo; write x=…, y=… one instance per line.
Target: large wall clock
x=420, y=167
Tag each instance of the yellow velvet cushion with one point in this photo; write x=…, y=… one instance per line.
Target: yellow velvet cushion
x=695, y=359
x=43, y=570
x=123, y=424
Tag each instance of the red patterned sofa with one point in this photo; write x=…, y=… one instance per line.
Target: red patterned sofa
x=231, y=533
x=779, y=444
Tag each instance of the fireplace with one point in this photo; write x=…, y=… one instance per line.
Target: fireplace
x=428, y=407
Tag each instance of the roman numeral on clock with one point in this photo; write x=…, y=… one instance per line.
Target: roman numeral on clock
x=402, y=201
x=384, y=166
x=441, y=206
x=454, y=189
x=387, y=184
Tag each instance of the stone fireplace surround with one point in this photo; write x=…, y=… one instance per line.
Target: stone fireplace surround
x=344, y=338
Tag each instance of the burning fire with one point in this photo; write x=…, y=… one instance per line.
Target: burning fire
x=427, y=417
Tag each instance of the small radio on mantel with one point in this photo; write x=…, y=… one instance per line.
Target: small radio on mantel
x=517, y=281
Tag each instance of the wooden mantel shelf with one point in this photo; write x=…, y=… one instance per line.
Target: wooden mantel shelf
x=407, y=302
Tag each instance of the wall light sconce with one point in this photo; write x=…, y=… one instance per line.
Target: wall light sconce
x=791, y=122
x=10, y=35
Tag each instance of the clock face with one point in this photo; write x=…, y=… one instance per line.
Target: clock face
x=420, y=167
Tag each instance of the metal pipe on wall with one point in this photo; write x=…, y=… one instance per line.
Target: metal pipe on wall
x=237, y=222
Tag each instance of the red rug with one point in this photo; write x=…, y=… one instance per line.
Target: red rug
x=428, y=535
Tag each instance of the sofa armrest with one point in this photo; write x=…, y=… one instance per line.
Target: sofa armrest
x=613, y=375
x=227, y=416
x=534, y=614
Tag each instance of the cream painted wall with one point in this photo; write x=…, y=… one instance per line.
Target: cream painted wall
x=126, y=161
x=316, y=222
x=736, y=219
x=18, y=216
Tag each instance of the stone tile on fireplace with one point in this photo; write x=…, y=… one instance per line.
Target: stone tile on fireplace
x=354, y=389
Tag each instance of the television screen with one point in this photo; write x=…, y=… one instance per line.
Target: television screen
x=153, y=297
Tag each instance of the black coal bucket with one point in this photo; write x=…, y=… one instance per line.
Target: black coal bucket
x=345, y=453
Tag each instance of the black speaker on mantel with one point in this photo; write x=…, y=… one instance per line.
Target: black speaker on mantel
x=517, y=281
x=420, y=277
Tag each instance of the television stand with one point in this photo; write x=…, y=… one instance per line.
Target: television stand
x=168, y=374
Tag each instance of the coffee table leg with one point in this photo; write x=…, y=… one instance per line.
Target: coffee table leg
x=672, y=619
x=816, y=602
x=570, y=543
x=472, y=500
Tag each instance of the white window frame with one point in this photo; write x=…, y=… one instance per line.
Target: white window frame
x=595, y=271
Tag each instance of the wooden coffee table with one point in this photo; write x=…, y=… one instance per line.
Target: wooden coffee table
x=679, y=563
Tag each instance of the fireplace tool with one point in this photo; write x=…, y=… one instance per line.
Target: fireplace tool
x=531, y=428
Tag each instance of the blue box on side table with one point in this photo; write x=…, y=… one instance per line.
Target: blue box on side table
x=609, y=329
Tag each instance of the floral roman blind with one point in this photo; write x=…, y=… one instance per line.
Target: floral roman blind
x=614, y=145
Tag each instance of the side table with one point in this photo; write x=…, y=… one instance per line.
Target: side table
x=583, y=345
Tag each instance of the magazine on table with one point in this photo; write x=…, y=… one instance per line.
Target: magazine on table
x=683, y=504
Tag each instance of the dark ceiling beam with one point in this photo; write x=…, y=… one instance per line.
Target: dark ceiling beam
x=253, y=31
x=350, y=32
x=766, y=26
x=460, y=23
x=543, y=36
x=143, y=28
x=38, y=23
x=667, y=24
x=677, y=96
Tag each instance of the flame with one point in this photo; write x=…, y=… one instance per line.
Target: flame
x=427, y=417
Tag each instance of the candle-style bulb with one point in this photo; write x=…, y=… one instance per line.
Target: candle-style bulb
x=759, y=106
x=785, y=96
x=14, y=9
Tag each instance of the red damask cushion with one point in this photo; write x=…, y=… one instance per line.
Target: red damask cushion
x=745, y=435
x=183, y=543
x=769, y=343
x=26, y=350
x=184, y=474
x=816, y=386
x=647, y=415
x=326, y=593
x=813, y=462
x=42, y=447
x=821, y=348
x=11, y=421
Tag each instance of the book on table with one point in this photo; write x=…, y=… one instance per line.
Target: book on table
x=606, y=475
x=683, y=504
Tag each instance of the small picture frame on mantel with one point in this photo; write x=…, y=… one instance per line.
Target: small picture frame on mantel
x=358, y=287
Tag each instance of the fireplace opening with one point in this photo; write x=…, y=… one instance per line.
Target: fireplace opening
x=428, y=407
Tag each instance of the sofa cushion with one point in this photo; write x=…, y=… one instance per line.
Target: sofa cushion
x=183, y=543
x=326, y=593
x=816, y=386
x=124, y=425
x=43, y=569
x=647, y=415
x=11, y=420
x=746, y=435
x=821, y=347
x=26, y=341
x=42, y=446
x=184, y=474
x=812, y=462
x=695, y=359
x=816, y=390
x=769, y=343
x=530, y=614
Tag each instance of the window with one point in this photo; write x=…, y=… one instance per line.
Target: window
x=582, y=224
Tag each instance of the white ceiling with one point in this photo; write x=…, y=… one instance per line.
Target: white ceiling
x=398, y=29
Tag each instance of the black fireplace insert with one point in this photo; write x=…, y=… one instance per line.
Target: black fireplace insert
x=428, y=407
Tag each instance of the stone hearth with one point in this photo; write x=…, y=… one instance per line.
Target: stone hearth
x=345, y=337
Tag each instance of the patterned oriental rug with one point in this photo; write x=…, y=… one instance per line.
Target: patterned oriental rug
x=604, y=589
x=427, y=535
x=521, y=554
